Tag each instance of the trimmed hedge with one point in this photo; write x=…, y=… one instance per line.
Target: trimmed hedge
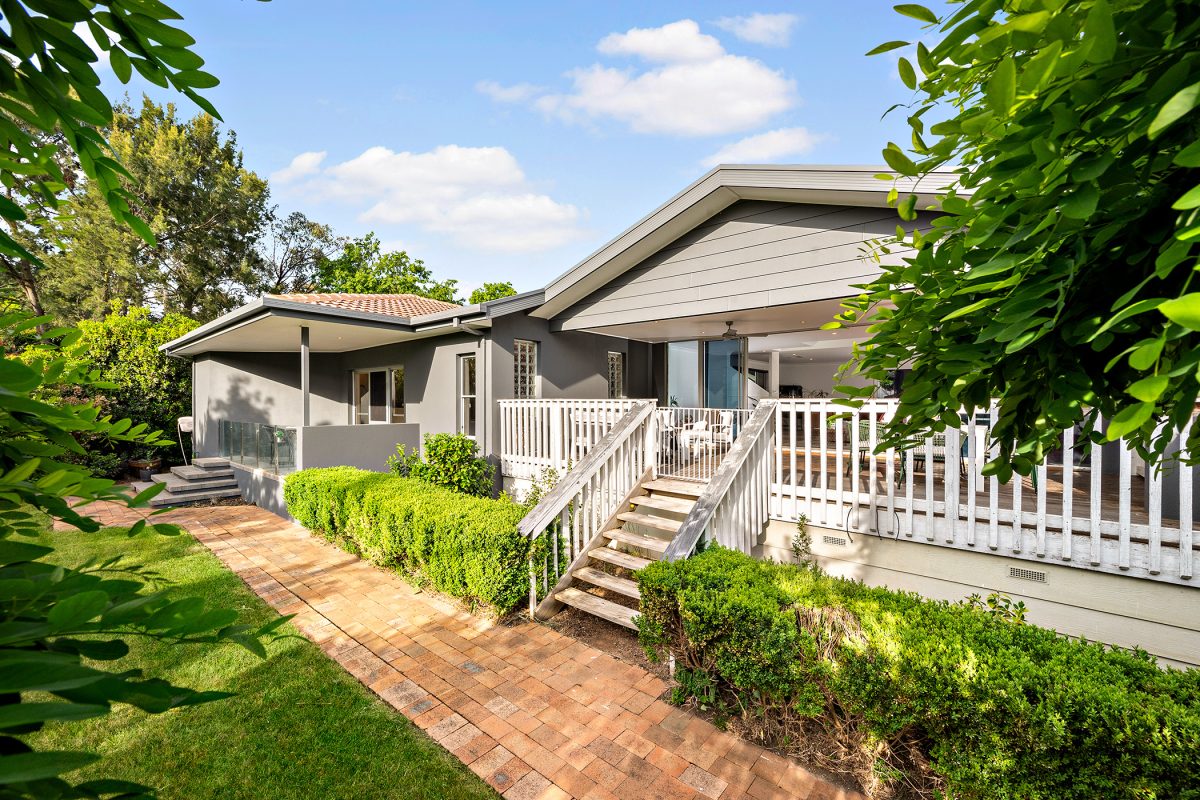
x=996, y=709
x=467, y=547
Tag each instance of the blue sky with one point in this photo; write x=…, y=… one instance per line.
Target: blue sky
x=506, y=141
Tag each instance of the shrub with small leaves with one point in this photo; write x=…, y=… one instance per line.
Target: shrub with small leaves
x=947, y=696
x=451, y=461
x=467, y=547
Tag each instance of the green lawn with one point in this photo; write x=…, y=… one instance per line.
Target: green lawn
x=300, y=726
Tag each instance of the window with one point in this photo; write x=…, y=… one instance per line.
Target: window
x=616, y=375
x=524, y=369
x=379, y=396
x=398, y=394
x=466, y=395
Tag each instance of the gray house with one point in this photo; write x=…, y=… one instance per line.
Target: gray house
x=677, y=380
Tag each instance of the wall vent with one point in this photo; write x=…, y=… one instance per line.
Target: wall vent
x=1027, y=574
x=836, y=541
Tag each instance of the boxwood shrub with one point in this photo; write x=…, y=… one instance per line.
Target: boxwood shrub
x=464, y=546
x=995, y=709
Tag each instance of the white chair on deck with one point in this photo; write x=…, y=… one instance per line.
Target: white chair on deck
x=722, y=432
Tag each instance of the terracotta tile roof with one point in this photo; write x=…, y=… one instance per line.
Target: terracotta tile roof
x=395, y=305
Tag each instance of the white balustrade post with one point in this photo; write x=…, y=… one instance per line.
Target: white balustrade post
x=558, y=446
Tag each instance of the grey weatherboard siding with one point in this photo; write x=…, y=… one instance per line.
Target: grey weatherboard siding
x=750, y=255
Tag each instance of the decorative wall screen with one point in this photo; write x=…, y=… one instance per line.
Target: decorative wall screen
x=525, y=383
x=616, y=376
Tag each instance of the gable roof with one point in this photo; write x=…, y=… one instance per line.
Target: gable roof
x=392, y=305
x=722, y=187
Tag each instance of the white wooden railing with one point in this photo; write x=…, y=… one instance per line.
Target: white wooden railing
x=732, y=510
x=1079, y=509
x=540, y=434
x=694, y=441
x=568, y=520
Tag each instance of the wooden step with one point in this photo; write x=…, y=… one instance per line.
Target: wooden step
x=664, y=502
x=657, y=523
x=620, y=559
x=598, y=606
x=606, y=581
x=635, y=539
x=673, y=486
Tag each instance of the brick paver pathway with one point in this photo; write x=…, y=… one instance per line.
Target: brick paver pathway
x=535, y=713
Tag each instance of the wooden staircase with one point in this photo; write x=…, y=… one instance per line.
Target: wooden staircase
x=635, y=536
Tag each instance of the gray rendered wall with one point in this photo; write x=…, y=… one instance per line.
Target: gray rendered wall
x=752, y=254
x=572, y=364
x=362, y=446
x=265, y=387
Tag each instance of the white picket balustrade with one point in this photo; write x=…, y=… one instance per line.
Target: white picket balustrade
x=540, y=434
x=1085, y=507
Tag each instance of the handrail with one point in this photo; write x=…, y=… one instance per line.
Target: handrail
x=701, y=515
x=557, y=499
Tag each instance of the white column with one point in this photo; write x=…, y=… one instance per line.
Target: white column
x=773, y=379
x=304, y=375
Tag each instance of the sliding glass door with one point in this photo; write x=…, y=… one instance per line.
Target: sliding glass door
x=708, y=373
x=724, y=378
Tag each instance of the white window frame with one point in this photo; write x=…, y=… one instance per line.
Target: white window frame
x=529, y=361
x=389, y=389
x=619, y=394
x=462, y=396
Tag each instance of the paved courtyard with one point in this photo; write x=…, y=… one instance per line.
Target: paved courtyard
x=535, y=713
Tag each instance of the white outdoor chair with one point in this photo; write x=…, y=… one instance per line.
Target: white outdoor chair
x=696, y=436
x=722, y=432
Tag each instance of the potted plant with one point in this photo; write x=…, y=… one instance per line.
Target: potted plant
x=145, y=463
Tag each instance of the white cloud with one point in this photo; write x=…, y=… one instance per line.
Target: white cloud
x=772, y=30
x=85, y=33
x=301, y=166
x=673, y=43
x=765, y=147
x=516, y=93
x=478, y=196
x=693, y=87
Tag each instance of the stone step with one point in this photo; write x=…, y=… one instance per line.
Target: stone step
x=200, y=474
x=619, y=558
x=173, y=499
x=598, y=606
x=663, y=524
x=640, y=540
x=607, y=581
x=211, y=463
x=174, y=484
x=664, y=502
x=675, y=487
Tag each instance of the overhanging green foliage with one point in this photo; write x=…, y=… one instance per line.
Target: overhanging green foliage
x=1060, y=275
x=62, y=629
x=467, y=547
x=1000, y=710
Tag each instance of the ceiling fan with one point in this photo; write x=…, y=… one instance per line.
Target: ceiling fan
x=730, y=332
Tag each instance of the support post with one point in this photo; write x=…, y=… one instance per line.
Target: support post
x=304, y=375
x=773, y=379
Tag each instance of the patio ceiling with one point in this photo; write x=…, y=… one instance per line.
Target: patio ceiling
x=752, y=322
x=274, y=332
